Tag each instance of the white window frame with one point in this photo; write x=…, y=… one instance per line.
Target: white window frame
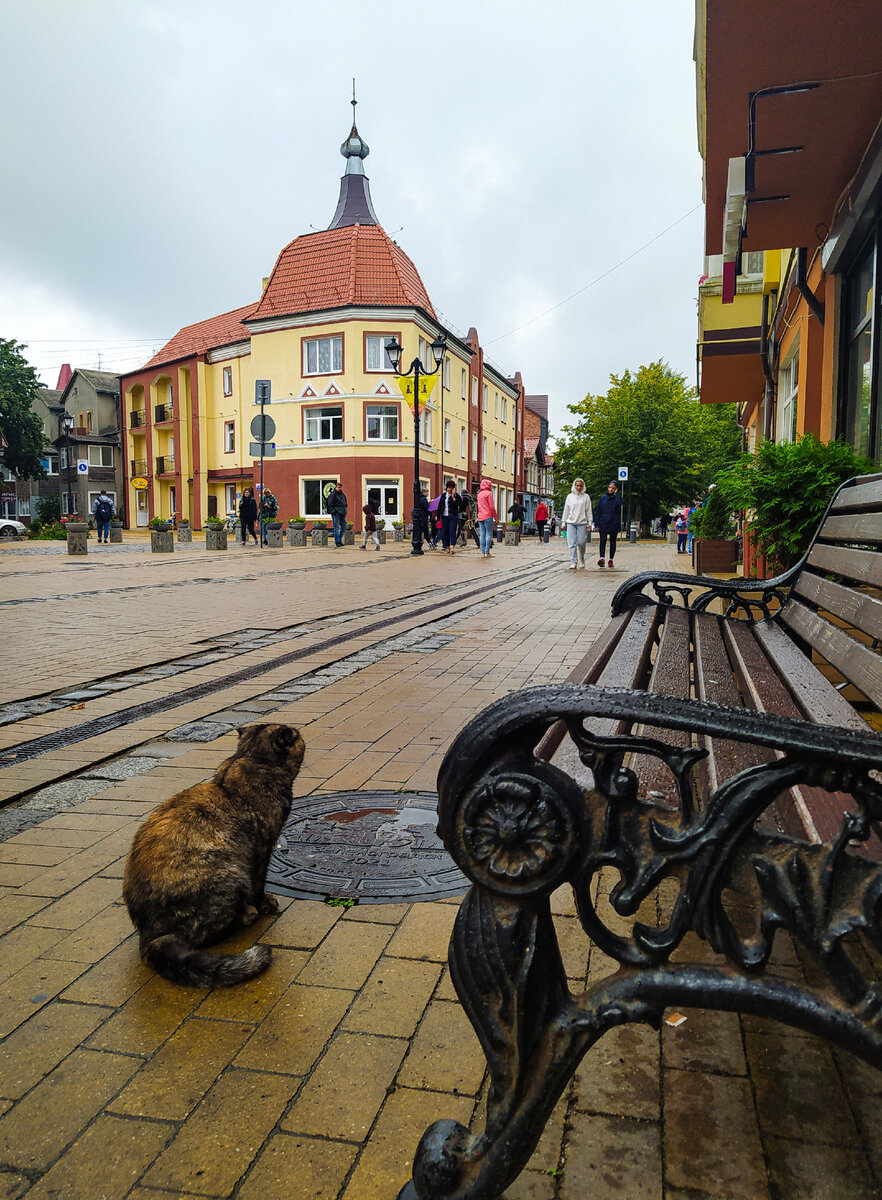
x=445, y=374
x=229, y=437
x=48, y=462
x=788, y=395
x=326, y=486
x=334, y=343
x=228, y=381
x=496, y=405
x=484, y=450
x=92, y=452
x=231, y=499
x=474, y=445
x=475, y=392
x=370, y=350
x=496, y=456
x=505, y=410
x=462, y=441
x=446, y=436
x=464, y=396
x=426, y=427
x=484, y=395
x=313, y=422
x=504, y=457
x=91, y=497
x=387, y=416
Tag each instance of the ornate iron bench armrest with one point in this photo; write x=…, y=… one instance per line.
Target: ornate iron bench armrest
x=745, y=597
x=520, y=827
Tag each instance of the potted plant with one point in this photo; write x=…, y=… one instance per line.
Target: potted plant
x=513, y=533
x=297, y=531
x=349, y=534
x=185, y=533
x=215, y=533
x=320, y=533
x=398, y=531
x=76, y=532
x=116, y=526
x=162, y=539
x=714, y=546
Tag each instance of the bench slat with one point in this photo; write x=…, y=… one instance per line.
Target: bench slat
x=819, y=700
x=864, y=566
x=861, y=497
x=855, y=662
x=857, y=608
x=861, y=527
x=671, y=676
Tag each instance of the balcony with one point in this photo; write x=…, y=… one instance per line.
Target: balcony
x=165, y=464
x=137, y=420
x=163, y=412
x=139, y=467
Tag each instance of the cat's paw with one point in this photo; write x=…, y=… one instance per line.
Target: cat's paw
x=269, y=904
x=249, y=915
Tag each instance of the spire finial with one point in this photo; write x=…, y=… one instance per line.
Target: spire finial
x=353, y=101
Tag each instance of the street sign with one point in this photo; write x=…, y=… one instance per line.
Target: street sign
x=427, y=386
x=82, y=467
x=623, y=473
x=261, y=391
x=139, y=484
x=262, y=450
x=263, y=428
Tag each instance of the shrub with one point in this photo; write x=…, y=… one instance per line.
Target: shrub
x=713, y=521
x=159, y=523
x=48, y=509
x=214, y=521
x=297, y=520
x=785, y=488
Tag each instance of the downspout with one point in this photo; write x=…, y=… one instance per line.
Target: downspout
x=767, y=371
x=805, y=291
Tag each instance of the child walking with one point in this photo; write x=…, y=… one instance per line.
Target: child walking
x=370, y=511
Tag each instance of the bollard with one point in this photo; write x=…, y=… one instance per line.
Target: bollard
x=274, y=537
x=77, y=532
x=632, y=537
x=546, y=536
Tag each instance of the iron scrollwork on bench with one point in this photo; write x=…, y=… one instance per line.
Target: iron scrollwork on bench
x=752, y=601
x=519, y=827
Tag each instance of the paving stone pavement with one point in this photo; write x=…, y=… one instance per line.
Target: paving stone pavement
x=318, y=1078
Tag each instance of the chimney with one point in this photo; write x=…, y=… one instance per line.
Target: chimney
x=65, y=375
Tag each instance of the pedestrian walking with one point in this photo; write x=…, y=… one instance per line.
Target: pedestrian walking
x=248, y=515
x=370, y=511
x=486, y=517
x=608, y=521
x=468, y=519
x=682, y=528
x=269, y=508
x=541, y=517
x=517, y=512
x=337, y=505
x=425, y=517
x=448, y=510
x=577, y=518
x=102, y=511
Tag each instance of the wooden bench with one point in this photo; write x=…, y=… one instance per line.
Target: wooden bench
x=716, y=748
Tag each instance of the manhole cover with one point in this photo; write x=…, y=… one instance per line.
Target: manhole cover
x=376, y=847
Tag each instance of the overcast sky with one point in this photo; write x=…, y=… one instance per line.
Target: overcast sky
x=158, y=154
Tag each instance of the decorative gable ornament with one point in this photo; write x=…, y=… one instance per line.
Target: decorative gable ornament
x=308, y=393
x=382, y=389
x=332, y=390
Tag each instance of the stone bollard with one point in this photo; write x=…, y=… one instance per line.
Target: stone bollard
x=185, y=533
x=116, y=531
x=77, y=533
x=296, y=535
x=274, y=537
x=349, y=537
x=162, y=541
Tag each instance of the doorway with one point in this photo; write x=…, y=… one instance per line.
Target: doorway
x=142, y=516
x=386, y=493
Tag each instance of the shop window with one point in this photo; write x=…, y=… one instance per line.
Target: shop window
x=315, y=496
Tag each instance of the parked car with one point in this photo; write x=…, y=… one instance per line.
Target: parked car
x=10, y=528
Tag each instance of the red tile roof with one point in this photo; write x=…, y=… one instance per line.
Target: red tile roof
x=205, y=335
x=356, y=264
x=530, y=445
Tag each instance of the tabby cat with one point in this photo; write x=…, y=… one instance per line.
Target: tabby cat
x=196, y=871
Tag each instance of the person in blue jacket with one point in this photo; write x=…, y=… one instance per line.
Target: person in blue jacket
x=608, y=521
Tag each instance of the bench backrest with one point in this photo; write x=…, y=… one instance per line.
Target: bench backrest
x=835, y=605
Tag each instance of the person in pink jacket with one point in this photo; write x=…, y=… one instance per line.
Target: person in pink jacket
x=486, y=516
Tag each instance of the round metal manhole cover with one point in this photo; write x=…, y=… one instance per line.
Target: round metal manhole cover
x=375, y=847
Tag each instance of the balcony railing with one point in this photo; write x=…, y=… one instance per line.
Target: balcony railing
x=137, y=419
x=165, y=464
x=139, y=467
x=163, y=412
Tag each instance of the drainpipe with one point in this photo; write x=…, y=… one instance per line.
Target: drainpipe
x=807, y=294
x=767, y=371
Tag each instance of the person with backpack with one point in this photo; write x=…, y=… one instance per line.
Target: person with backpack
x=269, y=507
x=102, y=511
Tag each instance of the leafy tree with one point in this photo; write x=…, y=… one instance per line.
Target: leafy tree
x=20, y=425
x=785, y=488
x=652, y=423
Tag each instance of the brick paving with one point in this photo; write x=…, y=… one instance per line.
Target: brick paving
x=318, y=1078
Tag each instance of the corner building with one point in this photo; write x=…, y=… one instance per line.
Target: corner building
x=318, y=333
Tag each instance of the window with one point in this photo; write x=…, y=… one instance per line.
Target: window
x=463, y=383
x=382, y=422
x=484, y=400
x=426, y=427
x=63, y=458
x=93, y=496
x=505, y=410
x=859, y=302
x=229, y=437
x=24, y=507
x=323, y=356
x=474, y=446
x=64, y=508
x=447, y=437
x=81, y=421
x=324, y=424
x=228, y=381
x=504, y=458
x=462, y=442
x=101, y=456
x=231, y=498
x=475, y=393
x=788, y=381
x=49, y=463
x=496, y=454
x=89, y=420
x=315, y=496
x=484, y=450
x=496, y=405
x=375, y=356
x=446, y=374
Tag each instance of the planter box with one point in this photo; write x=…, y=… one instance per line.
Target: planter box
x=116, y=528
x=349, y=537
x=381, y=534
x=319, y=537
x=274, y=537
x=512, y=537
x=215, y=539
x=398, y=535
x=162, y=541
x=185, y=533
x=714, y=556
x=296, y=535
x=76, y=533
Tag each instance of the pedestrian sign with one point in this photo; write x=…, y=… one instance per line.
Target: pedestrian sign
x=623, y=474
x=427, y=386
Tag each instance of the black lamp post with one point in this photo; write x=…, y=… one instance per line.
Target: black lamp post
x=67, y=421
x=417, y=370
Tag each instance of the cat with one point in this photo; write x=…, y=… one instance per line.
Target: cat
x=196, y=870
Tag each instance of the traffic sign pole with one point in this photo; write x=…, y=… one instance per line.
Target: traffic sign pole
x=262, y=397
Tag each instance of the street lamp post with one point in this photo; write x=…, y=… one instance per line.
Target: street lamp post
x=417, y=370
x=67, y=421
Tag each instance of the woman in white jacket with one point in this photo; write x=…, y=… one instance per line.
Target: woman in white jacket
x=577, y=517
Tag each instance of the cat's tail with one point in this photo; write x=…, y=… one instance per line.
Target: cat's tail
x=175, y=960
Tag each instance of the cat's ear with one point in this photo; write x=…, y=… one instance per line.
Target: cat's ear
x=283, y=739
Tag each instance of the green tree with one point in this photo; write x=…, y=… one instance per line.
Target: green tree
x=653, y=423
x=20, y=425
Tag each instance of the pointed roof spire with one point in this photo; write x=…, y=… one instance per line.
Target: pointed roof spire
x=354, y=206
